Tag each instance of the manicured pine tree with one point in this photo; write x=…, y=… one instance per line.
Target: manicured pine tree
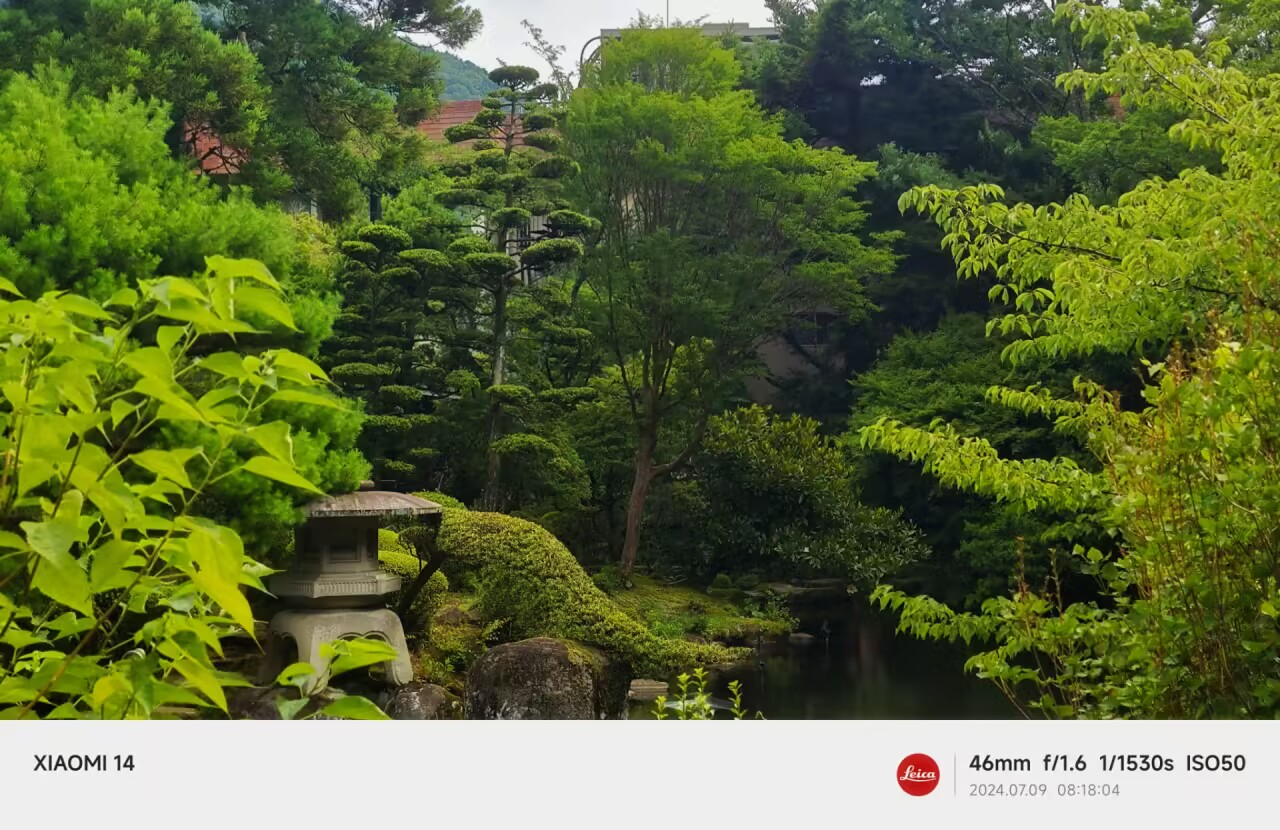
x=508, y=189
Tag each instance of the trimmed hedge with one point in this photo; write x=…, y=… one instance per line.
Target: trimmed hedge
x=530, y=580
x=405, y=565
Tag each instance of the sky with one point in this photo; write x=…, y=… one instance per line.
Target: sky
x=571, y=23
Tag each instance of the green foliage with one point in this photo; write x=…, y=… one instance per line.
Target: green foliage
x=677, y=60
x=726, y=230
x=773, y=495
x=1188, y=626
x=692, y=701
x=401, y=562
x=535, y=586
x=158, y=48
x=106, y=548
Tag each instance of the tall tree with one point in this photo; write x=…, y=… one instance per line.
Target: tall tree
x=518, y=225
x=715, y=230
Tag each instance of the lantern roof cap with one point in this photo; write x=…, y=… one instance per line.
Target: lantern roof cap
x=369, y=502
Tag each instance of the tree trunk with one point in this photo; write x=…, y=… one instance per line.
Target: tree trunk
x=493, y=431
x=639, y=493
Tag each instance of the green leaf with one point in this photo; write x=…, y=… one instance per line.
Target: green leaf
x=176, y=407
x=203, y=679
x=151, y=362
x=354, y=708
x=283, y=358
x=57, y=574
x=250, y=268
x=267, y=467
x=108, y=563
x=168, y=464
x=82, y=306
x=225, y=363
x=274, y=438
x=289, y=709
x=266, y=302
x=348, y=655
x=126, y=297
x=219, y=553
x=295, y=675
x=9, y=288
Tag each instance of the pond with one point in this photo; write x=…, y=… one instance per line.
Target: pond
x=857, y=667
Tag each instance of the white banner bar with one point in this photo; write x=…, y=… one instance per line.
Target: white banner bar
x=563, y=775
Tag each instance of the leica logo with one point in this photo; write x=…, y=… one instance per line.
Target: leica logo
x=913, y=774
x=918, y=774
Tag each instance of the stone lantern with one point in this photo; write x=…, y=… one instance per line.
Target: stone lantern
x=335, y=587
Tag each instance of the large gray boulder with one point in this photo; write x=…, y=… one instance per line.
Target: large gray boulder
x=546, y=679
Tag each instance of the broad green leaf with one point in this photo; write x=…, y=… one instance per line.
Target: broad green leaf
x=225, y=363
x=203, y=679
x=219, y=553
x=175, y=406
x=274, y=438
x=289, y=709
x=151, y=362
x=266, y=302
x=283, y=358
x=57, y=574
x=9, y=288
x=354, y=708
x=126, y=297
x=170, y=464
x=121, y=409
x=295, y=673
x=349, y=655
x=250, y=268
x=82, y=306
x=267, y=467
x=169, y=336
x=107, y=565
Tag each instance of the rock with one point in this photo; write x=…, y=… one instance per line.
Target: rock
x=647, y=689
x=799, y=638
x=546, y=679
x=420, y=700
x=253, y=703
x=453, y=615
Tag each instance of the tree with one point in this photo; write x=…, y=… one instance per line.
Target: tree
x=157, y=47
x=95, y=204
x=1188, y=627
x=715, y=231
x=451, y=23
x=771, y=495
x=345, y=100
x=511, y=176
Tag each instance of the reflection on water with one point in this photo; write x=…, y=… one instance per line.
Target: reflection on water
x=860, y=670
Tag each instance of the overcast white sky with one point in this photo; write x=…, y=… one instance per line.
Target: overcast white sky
x=571, y=23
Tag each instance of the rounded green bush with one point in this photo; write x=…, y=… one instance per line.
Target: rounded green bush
x=530, y=580
x=445, y=501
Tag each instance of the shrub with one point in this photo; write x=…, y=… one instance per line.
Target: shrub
x=532, y=582
x=447, y=502
x=102, y=541
x=406, y=566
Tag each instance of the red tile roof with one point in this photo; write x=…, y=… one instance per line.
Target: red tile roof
x=214, y=157
x=453, y=113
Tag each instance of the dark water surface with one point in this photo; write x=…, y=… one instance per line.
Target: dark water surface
x=862, y=669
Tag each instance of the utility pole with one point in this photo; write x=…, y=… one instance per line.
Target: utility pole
x=668, y=14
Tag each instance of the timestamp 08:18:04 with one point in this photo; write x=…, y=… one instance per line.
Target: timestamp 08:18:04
x=1072, y=790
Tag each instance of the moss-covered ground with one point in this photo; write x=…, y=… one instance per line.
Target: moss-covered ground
x=686, y=610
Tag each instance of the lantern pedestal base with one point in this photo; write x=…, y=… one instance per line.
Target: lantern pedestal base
x=312, y=629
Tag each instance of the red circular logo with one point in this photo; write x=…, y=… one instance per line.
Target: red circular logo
x=918, y=774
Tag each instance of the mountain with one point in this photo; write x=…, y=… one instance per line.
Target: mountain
x=463, y=80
